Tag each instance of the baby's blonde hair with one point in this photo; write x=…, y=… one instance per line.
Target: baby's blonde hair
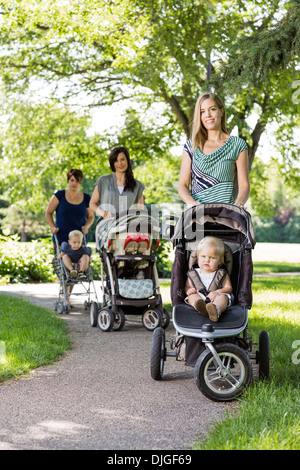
x=76, y=233
x=219, y=245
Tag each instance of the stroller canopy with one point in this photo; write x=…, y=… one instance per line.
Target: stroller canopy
x=189, y=229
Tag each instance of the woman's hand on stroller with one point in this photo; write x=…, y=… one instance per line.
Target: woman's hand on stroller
x=54, y=229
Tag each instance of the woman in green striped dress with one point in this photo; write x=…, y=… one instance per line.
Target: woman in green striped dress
x=212, y=158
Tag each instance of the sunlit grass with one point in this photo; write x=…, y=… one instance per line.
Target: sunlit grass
x=30, y=337
x=268, y=414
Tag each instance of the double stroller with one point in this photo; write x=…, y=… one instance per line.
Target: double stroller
x=221, y=352
x=65, y=280
x=127, y=246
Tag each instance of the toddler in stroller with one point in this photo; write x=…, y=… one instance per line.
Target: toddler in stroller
x=75, y=253
x=220, y=352
x=208, y=286
x=127, y=246
x=71, y=264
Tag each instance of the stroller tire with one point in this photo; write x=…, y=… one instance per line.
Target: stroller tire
x=105, y=319
x=119, y=320
x=165, y=319
x=228, y=382
x=93, y=314
x=158, y=354
x=152, y=318
x=59, y=308
x=263, y=355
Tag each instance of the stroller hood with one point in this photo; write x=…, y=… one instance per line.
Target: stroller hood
x=230, y=216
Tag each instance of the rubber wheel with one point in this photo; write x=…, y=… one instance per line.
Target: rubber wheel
x=119, y=320
x=165, y=319
x=264, y=355
x=59, y=308
x=94, y=313
x=105, y=319
x=158, y=354
x=228, y=384
x=67, y=308
x=152, y=318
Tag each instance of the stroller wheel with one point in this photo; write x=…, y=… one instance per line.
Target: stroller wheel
x=263, y=355
x=152, y=318
x=59, y=308
x=105, y=319
x=158, y=354
x=165, y=319
x=119, y=320
x=94, y=313
x=225, y=379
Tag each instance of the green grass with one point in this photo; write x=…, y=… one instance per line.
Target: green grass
x=30, y=337
x=268, y=414
x=275, y=267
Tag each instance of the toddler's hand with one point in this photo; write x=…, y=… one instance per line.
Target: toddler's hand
x=191, y=291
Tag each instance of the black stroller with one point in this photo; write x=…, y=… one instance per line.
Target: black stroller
x=127, y=246
x=220, y=352
x=87, y=285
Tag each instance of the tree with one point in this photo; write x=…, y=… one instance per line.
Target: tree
x=40, y=142
x=101, y=52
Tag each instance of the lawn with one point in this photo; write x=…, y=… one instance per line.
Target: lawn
x=268, y=414
x=30, y=337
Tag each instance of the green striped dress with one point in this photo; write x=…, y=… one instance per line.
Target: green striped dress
x=213, y=175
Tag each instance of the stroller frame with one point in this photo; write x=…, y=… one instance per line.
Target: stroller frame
x=61, y=305
x=223, y=351
x=110, y=314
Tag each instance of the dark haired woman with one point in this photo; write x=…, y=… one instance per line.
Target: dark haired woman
x=118, y=191
x=72, y=208
x=212, y=158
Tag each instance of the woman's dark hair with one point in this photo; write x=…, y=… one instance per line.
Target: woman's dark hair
x=76, y=173
x=130, y=182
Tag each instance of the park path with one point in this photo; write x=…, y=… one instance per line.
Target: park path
x=100, y=395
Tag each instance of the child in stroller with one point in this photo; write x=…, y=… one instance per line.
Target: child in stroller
x=220, y=352
x=68, y=279
x=208, y=286
x=75, y=253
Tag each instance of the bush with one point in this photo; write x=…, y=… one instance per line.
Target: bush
x=25, y=262
x=268, y=230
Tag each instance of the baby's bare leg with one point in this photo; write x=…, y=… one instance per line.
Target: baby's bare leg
x=221, y=301
x=67, y=262
x=83, y=263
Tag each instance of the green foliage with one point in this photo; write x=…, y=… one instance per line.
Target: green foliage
x=20, y=262
x=268, y=230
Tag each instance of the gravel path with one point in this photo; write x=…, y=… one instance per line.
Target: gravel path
x=100, y=395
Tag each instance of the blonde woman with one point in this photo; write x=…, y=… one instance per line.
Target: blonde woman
x=212, y=158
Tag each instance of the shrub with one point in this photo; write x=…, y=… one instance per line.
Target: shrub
x=25, y=262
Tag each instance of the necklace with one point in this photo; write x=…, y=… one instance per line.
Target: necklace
x=73, y=197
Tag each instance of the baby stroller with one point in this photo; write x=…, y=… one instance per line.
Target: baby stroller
x=127, y=246
x=88, y=287
x=221, y=352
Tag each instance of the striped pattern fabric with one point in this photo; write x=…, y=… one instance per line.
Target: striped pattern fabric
x=213, y=174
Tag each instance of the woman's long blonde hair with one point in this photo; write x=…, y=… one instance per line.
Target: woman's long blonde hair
x=199, y=133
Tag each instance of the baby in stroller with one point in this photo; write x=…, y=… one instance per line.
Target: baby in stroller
x=75, y=253
x=208, y=286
